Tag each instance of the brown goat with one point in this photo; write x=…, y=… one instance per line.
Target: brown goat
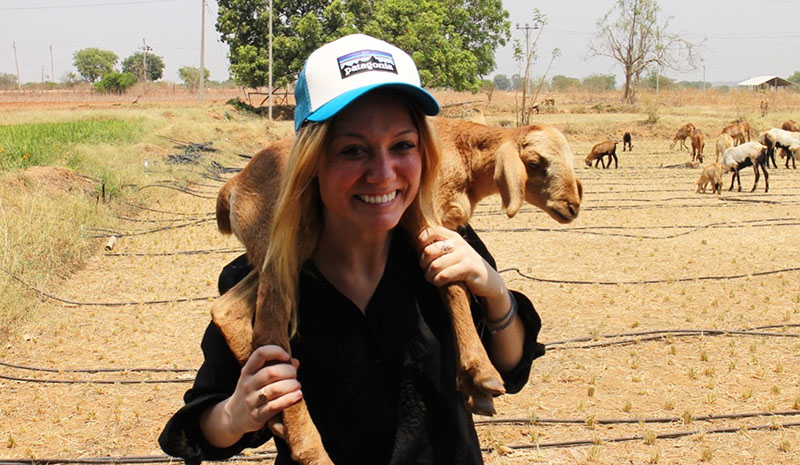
x=602, y=149
x=736, y=131
x=683, y=133
x=532, y=163
x=711, y=173
x=724, y=142
x=791, y=125
x=698, y=143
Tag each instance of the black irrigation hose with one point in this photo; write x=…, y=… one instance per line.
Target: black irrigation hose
x=675, y=435
x=167, y=220
x=146, y=208
x=87, y=381
x=104, y=304
x=650, y=281
x=109, y=232
x=181, y=252
x=132, y=459
x=185, y=191
x=690, y=332
x=99, y=370
x=271, y=454
x=623, y=421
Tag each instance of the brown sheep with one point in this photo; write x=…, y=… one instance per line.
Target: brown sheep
x=532, y=163
x=712, y=173
x=606, y=148
x=736, y=131
x=791, y=125
x=683, y=133
x=698, y=142
x=724, y=142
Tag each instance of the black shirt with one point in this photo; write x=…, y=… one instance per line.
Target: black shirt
x=379, y=385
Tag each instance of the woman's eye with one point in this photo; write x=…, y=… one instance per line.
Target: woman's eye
x=404, y=146
x=352, y=151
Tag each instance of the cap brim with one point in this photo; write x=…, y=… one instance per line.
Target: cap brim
x=327, y=111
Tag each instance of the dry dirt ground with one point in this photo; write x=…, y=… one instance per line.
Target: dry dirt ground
x=647, y=254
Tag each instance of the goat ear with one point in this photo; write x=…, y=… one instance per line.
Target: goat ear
x=509, y=177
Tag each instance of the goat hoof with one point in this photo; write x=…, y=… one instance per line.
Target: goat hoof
x=481, y=404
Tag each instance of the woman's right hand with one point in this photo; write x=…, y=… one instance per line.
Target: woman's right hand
x=267, y=385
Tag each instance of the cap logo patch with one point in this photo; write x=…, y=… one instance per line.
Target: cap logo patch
x=366, y=60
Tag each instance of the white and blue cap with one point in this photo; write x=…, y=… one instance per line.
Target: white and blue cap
x=339, y=72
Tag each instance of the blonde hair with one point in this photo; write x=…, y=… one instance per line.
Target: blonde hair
x=297, y=221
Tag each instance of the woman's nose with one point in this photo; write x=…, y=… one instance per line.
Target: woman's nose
x=381, y=167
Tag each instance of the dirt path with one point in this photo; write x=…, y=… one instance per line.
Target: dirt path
x=641, y=222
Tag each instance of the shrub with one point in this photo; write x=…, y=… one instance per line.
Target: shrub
x=115, y=83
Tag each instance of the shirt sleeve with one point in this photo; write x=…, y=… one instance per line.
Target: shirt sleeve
x=215, y=381
x=516, y=378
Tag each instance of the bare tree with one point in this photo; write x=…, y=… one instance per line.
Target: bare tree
x=631, y=34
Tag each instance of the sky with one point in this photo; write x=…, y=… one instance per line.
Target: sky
x=740, y=38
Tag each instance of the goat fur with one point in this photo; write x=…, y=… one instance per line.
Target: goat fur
x=751, y=153
x=607, y=148
x=681, y=135
x=711, y=173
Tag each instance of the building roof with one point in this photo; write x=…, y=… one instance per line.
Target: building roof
x=774, y=81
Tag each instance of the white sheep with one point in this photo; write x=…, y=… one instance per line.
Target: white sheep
x=748, y=154
x=779, y=139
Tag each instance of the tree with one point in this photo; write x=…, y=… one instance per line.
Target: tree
x=654, y=81
x=794, y=77
x=600, y=82
x=135, y=64
x=561, y=83
x=190, y=75
x=501, y=82
x=451, y=41
x=92, y=62
x=8, y=81
x=115, y=83
x=631, y=34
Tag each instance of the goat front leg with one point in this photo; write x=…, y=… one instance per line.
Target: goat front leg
x=272, y=327
x=477, y=379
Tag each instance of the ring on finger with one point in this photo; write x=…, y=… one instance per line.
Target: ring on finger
x=262, y=397
x=445, y=246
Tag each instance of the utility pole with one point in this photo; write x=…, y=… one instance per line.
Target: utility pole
x=16, y=61
x=52, y=67
x=146, y=49
x=202, y=52
x=270, y=60
x=704, y=79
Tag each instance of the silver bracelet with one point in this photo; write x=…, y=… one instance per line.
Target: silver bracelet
x=495, y=326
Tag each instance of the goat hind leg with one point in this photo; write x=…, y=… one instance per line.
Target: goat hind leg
x=272, y=327
x=478, y=380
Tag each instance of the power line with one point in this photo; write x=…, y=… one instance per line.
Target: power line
x=89, y=5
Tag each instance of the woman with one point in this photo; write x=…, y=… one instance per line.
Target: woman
x=378, y=367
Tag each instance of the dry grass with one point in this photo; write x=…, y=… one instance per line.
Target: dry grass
x=640, y=222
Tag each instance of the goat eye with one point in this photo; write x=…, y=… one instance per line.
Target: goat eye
x=532, y=165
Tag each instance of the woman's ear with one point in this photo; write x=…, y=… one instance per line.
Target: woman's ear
x=509, y=176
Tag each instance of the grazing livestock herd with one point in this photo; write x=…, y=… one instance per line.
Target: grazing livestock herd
x=733, y=145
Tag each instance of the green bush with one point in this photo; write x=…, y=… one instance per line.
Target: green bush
x=115, y=83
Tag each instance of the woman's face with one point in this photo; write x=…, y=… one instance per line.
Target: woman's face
x=370, y=171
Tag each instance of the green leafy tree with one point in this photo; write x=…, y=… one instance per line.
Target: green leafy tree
x=631, y=34
x=599, y=82
x=501, y=82
x=794, y=77
x=93, y=63
x=8, y=81
x=150, y=66
x=561, y=83
x=190, y=75
x=115, y=83
x=452, y=41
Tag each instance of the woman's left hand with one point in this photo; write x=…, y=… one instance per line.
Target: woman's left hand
x=448, y=258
